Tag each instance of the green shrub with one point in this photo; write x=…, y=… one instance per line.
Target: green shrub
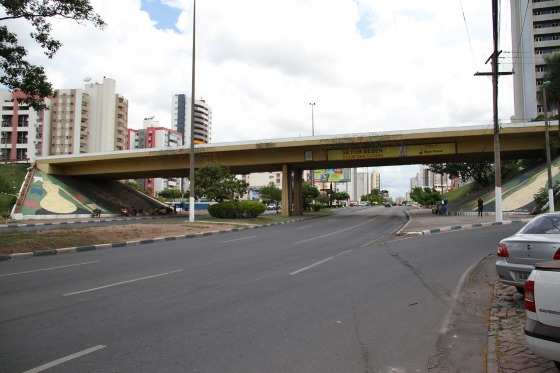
x=236, y=209
x=316, y=207
x=251, y=209
x=6, y=203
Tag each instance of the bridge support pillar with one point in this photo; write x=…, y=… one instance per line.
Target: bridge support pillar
x=298, y=192
x=286, y=191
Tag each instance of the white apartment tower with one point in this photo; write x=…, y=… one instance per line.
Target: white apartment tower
x=93, y=119
x=535, y=29
x=181, y=119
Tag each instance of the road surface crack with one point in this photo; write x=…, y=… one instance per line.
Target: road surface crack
x=363, y=346
x=420, y=278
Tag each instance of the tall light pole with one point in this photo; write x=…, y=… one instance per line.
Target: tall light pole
x=191, y=156
x=312, y=104
x=547, y=141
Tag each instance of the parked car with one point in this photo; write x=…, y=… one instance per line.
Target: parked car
x=538, y=241
x=387, y=204
x=542, y=306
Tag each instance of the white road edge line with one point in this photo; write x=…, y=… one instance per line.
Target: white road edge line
x=240, y=239
x=344, y=252
x=65, y=359
x=48, y=268
x=312, y=265
x=121, y=283
x=333, y=233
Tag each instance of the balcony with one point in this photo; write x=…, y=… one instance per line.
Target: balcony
x=547, y=43
x=546, y=17
x=546, y=30
x=546, y=4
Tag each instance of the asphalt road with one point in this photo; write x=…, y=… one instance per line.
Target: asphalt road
x=335, y=294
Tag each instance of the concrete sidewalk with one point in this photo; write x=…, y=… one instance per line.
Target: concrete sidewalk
x=422, y=220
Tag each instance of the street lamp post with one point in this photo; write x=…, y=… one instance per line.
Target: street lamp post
x=191, y=156
x=547, y=145
x=312, y=104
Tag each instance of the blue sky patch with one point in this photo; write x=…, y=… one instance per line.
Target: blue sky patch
x=164, y=15
x=365, y=23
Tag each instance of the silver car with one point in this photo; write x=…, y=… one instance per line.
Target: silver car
x=537, y=241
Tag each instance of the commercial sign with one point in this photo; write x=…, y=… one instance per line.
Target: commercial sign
x=337, y=175
x=383, y=152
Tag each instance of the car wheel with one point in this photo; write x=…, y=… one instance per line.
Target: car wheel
x=520, y=289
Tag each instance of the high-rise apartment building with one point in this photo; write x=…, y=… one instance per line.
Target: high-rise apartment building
x=155, y=137
x=93, y=119
x=181, y=119
x=375, y=182
x=18, y=131
x=535, y=29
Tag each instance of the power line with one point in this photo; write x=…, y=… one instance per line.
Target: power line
x=467, y=30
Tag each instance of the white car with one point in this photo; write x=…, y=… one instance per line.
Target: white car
x=542, y=305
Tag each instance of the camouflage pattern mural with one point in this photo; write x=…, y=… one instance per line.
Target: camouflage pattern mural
x=49, y=196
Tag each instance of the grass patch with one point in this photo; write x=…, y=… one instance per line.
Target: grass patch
x=11, y=178
x=460, y=193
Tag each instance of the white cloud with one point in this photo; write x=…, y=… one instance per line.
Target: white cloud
x=261, y=62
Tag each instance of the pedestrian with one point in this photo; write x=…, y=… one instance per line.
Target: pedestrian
x=480, y=206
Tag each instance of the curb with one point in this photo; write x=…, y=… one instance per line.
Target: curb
x=90, y=221
x=77, y=249
x=401, y=232
x=462, y=227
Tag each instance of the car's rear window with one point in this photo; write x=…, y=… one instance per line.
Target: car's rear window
x=543, y=225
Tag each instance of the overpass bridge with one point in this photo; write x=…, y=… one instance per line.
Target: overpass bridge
x=293, y=155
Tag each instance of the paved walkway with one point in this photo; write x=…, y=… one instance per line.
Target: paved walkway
x=423, y=219
x=508, y=349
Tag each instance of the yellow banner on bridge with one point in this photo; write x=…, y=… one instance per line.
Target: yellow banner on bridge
x=382, y=152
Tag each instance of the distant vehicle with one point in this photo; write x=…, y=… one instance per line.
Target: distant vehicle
x=542, y=306
x=362, y=203
x=387, y=204
x=353, y=204
x=538, y=241
x=271, y=206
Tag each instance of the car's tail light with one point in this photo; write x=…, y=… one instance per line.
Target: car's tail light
x=503, y=250
x=557, y=255
x=530, y=296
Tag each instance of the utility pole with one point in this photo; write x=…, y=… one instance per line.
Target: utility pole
x=547, y=141
x=191, y=156
x=495, y=75
x=312, y=104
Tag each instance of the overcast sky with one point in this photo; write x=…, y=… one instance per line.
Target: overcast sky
x=370, y=65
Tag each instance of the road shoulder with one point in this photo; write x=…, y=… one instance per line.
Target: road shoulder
x=461, y=345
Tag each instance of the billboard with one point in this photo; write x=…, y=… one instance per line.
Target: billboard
x=336, y=175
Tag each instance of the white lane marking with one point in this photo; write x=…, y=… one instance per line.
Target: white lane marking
x=121, y=283
x=65, y=359
x=240, y=239
x=312, y=265
x=333, y=233
x=48, y=268
x=344, y=252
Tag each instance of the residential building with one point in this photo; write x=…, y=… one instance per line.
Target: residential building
x=261, y=179
x=18, y=132
x=535, y=29
x=375, y=182
x=88, y=120
x=427, y=179
x=155, y=137
x=181, y=119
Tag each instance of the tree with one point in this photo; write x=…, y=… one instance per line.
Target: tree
x=552, y=74
x=170, y=193
x=426, y=196
x=374, y=198
x=18, y=73
x=216, y=183
x=310, y=194
x=271, y=194
x=340, y=196
x=481, y=172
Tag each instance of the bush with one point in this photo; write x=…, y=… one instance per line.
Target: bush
x=317, y=207
x=236, y=209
